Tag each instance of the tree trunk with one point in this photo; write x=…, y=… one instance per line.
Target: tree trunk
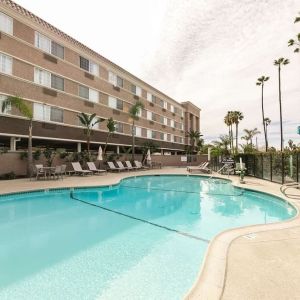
x=88, y=145
x=236, y=137
x=263, y=114
x=30, y=159
x=133, y=141
x=267, y=134
x=280, y=110
x=106, y=141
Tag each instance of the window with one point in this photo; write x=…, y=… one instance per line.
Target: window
x=154, y=134
x=171, y=108
x=165, y=105
x=137, y=131
x=165, y=136
x=160, y=102
x=57, y=50
x=149, y=115
x=136, y=90
x=89, y=66
x=119, y=127
x=161, y=119
x=114, y=79
x=153, y=117
x=149, y=134
x=8, y=108
x=49, y=46
x=165, y=121
x=149, y=96
x=56, y=115
x=115, y=103
x=57, y=82
x=172, y=123
x=172, y=138
x=93, y=95
x=153, y=99
x=5, y=64
x=6, y=23
x=45, y=78
x=84, y=92
x=44, y=112
x=42, y=77
x=161, y=135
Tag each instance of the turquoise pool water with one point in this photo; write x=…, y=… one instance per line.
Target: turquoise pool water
x=53, y=246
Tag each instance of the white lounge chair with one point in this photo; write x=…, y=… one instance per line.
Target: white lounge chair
x=112, y=167
x=140, y=166
x=121, y=166
x=78, y=169
x=196, y=167
x=202, y=169
x=93, y=168
x=129, y=165
x=39, y=169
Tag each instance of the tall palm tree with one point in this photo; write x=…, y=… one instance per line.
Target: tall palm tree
x=261, y=82
x=267, y=122
x=237, y=116
x=26, y=111
x=134, y=112
x=246, y=137
x=111, y=126
x=280, y=62
x=228, y=122
x=194, y=136
x=88, y=121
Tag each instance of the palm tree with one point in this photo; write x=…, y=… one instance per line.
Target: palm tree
x=228, y=122
x=280, y=62
x=88, y=121
x=246, y=138
x=111, y=126
x=267, y=122
x=297, y=19
x=250, y=134
x=237, y=116
x=134, y=112
x=261, y=81
x=295, y=43
x=194, y=136
x=26, y=111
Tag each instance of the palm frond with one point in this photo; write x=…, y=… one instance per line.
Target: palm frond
x=291, y=42
x=19, y=104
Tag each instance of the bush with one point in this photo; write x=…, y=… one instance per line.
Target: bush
x=9, y=176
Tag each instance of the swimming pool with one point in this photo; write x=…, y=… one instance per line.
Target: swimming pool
x=144, y=238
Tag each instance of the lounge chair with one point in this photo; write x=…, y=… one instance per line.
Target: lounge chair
x=202, y=168
x=93, y=168
x=121, y=166
x=129, y=165
x=78, y=169
x=196, y=167
x=140, y=166
x=112, y=167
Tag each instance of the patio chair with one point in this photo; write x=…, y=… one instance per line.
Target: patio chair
x=140, y=165
x=92, y=167
x=202, y=169
x=112, y=167
x=129, y=165
x=40, y=171
x=121, y=166
x=189, y=168
x=78, y=169
x=59, y=171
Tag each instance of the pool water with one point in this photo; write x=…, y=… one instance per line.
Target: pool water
x=142, y=239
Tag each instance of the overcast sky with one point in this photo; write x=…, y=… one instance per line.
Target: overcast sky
x=207, y=51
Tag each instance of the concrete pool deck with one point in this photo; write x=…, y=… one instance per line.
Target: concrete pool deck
x=264, y=265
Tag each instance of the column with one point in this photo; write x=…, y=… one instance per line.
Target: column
x=78, y=147
x=13, y=142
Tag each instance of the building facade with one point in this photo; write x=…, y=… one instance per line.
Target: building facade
x=59, y=78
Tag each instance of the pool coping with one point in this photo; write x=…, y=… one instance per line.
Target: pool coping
x=210, y=281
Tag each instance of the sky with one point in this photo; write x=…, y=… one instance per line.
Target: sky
x=209, y=52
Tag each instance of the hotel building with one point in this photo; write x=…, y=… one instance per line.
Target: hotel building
x=59, y=78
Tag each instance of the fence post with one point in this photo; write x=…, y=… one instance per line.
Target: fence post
x=262, y=166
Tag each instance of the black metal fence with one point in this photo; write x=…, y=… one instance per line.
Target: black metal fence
x=275, y=167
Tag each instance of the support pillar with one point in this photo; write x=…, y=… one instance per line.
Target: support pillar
x=13, y=142
x=118, y=149
x=78, y=147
